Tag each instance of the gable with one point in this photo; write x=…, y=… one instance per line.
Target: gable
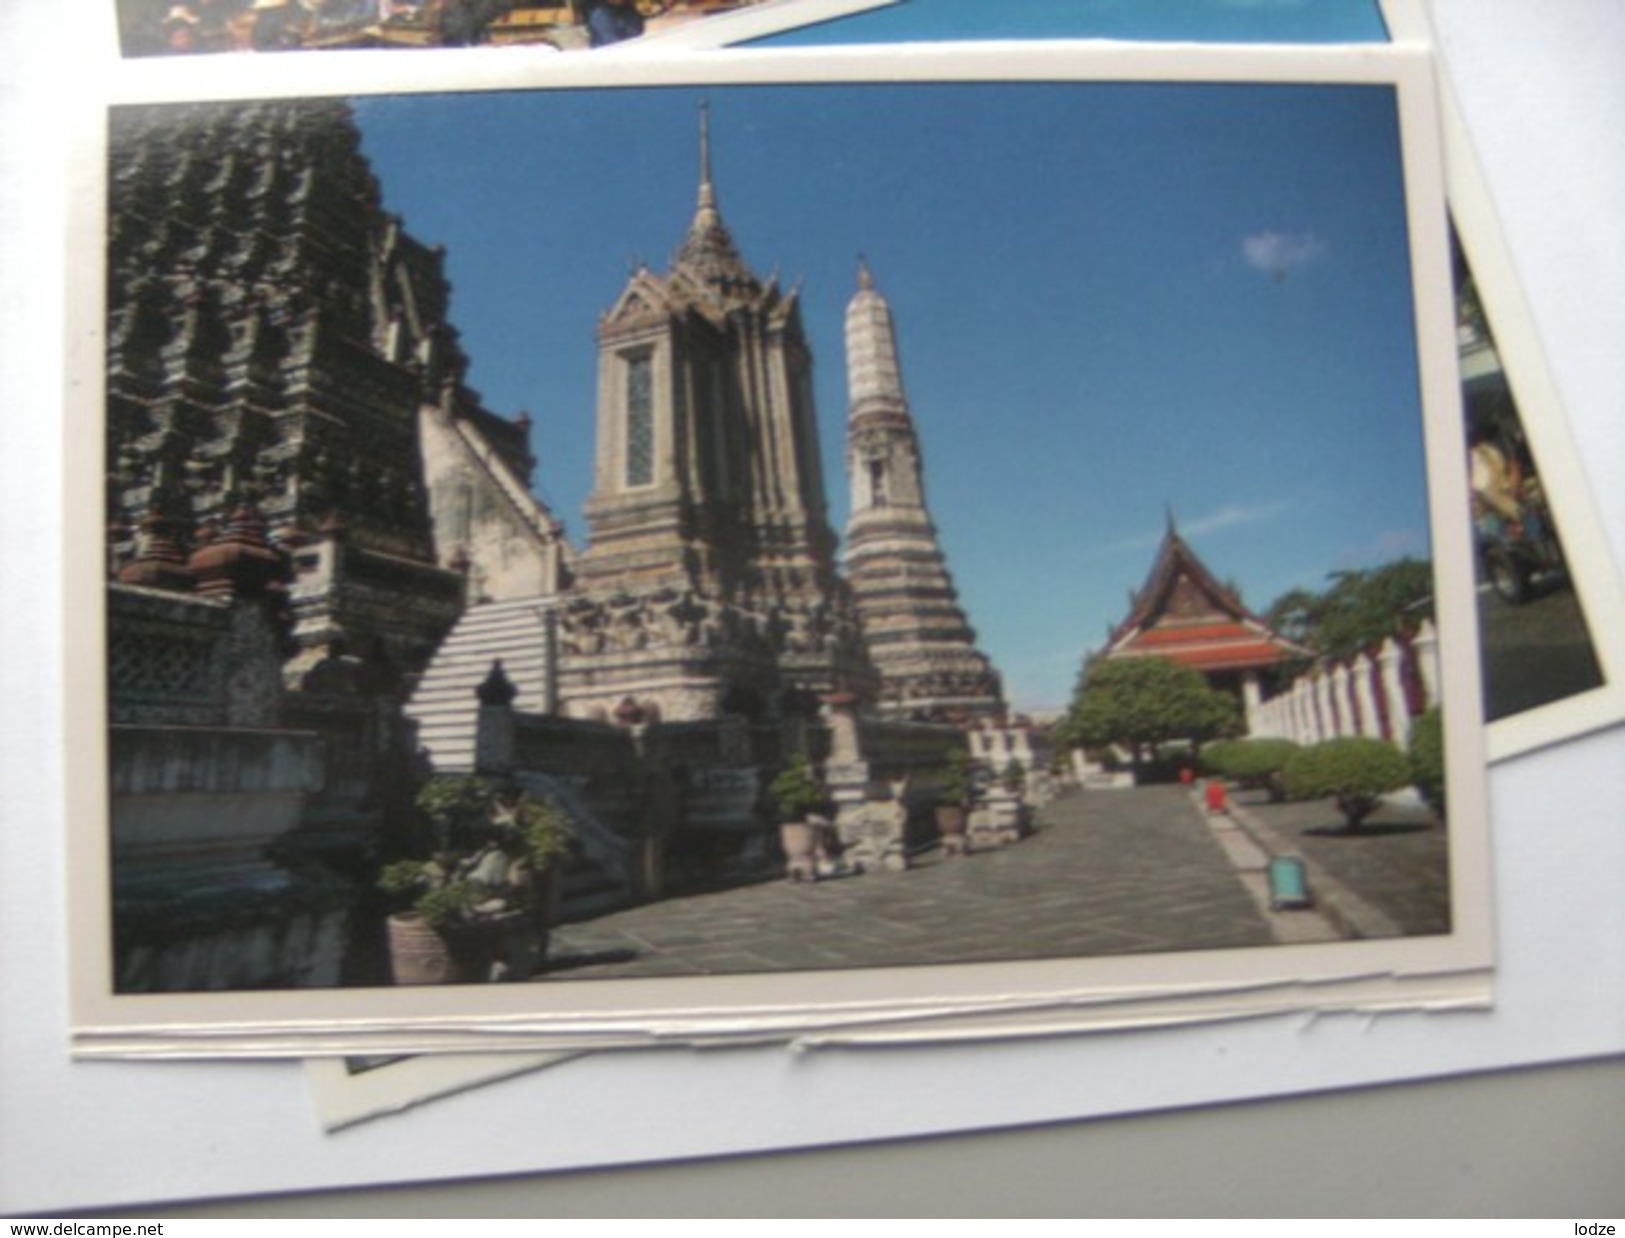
x=1182, y=612
x=644, y=299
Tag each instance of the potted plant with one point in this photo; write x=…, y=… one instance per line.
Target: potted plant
x=485, y=886
x=955, y=791
x=1014, y=777
x=798, y=795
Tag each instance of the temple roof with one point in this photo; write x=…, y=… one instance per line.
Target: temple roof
x=707, y=255
x=1184, y=613
x=707, y=273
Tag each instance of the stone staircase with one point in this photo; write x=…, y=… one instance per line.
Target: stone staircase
x=446, y=710
x=444, y=705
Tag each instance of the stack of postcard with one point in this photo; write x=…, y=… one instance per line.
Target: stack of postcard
x=761, y=531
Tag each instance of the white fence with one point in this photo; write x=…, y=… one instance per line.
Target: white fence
x=1376, y=695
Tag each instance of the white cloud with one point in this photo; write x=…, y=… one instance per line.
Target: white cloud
x=1278, y=254
x=1234, y=514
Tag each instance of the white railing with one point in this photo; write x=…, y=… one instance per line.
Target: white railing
x=1375, y=695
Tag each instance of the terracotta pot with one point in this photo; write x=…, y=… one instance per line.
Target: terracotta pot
x=419, y=954
x=800, y=842
x=546, y=898
x=953, y=825
x=546, y=904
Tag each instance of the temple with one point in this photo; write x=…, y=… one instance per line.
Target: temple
x=279, y=354
x=709, y=582
x=918, y=635
x=1182, y=612
x=328, y=578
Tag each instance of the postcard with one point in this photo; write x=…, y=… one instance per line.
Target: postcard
x=681, y=554
x=1537, y=649
x=1548, y=590
x=347, y=1091
x=154, y=28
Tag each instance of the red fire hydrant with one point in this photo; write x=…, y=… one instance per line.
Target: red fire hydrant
x=1215, y=796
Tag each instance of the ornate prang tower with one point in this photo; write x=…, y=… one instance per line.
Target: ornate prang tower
x=917, y=634
x=275, y=339
x=709, y=584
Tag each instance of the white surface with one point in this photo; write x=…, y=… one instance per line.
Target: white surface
x=1542, y=88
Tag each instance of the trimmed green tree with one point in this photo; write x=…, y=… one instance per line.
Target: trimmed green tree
x=1215, y=755
x=1252, y=762
x=1427, y=759
x=1355, y=773
x=1143, y=703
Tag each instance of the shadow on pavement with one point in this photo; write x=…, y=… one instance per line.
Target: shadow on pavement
x=566, y=962
x=1379, y=830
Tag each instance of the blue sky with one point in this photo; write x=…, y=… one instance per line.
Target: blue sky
x=1110, y=300
x=1209, y=21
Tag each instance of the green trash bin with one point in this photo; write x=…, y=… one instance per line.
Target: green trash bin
x=1289, y=884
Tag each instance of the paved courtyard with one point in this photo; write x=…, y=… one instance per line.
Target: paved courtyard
x=1106, y=873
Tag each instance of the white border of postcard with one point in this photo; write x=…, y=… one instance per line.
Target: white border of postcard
x=962, y=1002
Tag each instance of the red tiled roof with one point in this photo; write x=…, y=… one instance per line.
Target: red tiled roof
x=1239, y=656
x=1218, y=632
x=1195, y=634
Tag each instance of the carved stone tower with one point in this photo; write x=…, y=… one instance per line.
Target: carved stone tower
x=276, y=339
x=917, y=633
x=709, y=584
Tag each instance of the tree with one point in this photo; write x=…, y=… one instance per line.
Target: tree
x=1252, y=762
x=1360, y=609
x=1143, y=703
x=1355, y=773
x=1427, y=759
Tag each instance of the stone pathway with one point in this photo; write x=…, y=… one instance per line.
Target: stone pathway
x=1118, y=872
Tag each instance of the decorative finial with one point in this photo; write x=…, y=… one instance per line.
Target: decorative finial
x=866, y=279
x=708, y=198
x=497, y=690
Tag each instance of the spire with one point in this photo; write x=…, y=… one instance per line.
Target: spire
x=707, y=252
x=921, y=641
x=707, y=197
x=874, y=379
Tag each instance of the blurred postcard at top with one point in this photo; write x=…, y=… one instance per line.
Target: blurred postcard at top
x=682, y=555
x=204, y=27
